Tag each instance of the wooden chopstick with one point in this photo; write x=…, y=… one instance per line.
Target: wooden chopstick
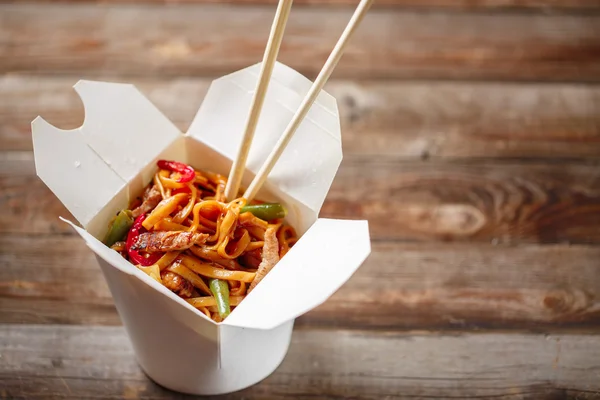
x=270, y=57
x=308, y=101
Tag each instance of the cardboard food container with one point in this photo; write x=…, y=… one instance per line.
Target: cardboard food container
x=96, y=169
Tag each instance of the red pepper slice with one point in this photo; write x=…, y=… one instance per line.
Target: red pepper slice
x=132, y=237
x=187, y=173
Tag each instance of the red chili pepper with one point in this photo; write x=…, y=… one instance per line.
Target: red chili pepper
x=132, y=237
x=187, y=172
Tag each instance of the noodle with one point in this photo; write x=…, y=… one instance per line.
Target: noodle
x=238, y=246
x=240, y=290
x=208, y=251
x=170, y=183
x=153, y=271
x=163, y=210
x=211, y=255
x=212, y=271
x=190, y=276
x=183, y=214
x=286, y=238
x=158, y=183
x=210, y=301
x=167, y=259
x=167, y=224
x=255, y=245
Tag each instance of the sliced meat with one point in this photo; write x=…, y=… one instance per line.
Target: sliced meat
x=152, y=197
x=168, y=241
x=176, y=283
x=270, y=255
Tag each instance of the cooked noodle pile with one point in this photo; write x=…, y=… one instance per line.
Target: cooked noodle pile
x=184, y=234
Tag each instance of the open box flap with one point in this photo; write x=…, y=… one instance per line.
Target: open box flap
x=322, y=261
x=87, y=167
x=73, y=171
x=310, y=161
x=123, y=127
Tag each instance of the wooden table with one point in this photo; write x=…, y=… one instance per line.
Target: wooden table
x=472, y=145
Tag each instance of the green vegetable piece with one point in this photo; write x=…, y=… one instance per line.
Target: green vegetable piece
x=220, y=289
x=267, y=212
x=118, y=228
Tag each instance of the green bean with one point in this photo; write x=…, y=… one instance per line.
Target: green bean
x=220, y=289
x=267, y=211
x=119, y=228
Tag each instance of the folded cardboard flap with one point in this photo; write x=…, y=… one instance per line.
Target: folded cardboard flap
x=87, y=167
x=319, y=263
x=123, y=127
x=308, y=165
x=73, y=171
x=289, y=87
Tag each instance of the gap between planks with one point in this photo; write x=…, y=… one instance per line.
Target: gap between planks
x=426, y=201
x=400, y=287
x=391, y=120
x=88, y=39
x=71, y=361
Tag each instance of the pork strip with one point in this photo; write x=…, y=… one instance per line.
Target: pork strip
x=270, y=255
x=151, y=198
x=168, y=241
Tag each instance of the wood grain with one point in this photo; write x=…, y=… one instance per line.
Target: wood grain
x=98, y=362
x=28, y=206
x=443, y=286
x=379, y=119
x=210, y=40
x=511, y=202
x=471, y=143
x=545, y=5
x=401, y=286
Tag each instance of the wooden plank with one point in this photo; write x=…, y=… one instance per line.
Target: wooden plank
x=28, y=205
x=400, y=286
x=23, y=98
x=513, y=202
x=201, y=40
x=443, y=286
x=379, y=119
x=98, y=362
x=566, y=5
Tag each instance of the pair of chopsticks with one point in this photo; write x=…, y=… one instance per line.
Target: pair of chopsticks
x=269, y=58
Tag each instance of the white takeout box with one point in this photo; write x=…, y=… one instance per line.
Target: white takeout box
x=95, y=170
